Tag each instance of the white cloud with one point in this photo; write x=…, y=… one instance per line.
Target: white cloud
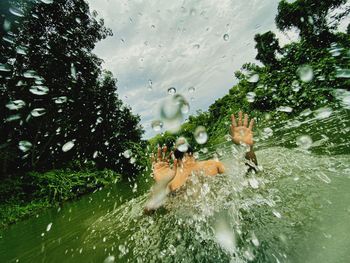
x=159, y=40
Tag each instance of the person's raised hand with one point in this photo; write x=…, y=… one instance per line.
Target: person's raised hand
x=242, y=133
x=161, y=166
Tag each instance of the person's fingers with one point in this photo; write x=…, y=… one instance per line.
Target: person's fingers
x=165, y=148
x=159, y=154
x=251, y=124
x=245, y=123
x=240, y=118
x=233, y=120
x=232, y=128
x=170, y=156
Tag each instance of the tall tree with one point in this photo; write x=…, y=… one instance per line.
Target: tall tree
x=54, y=94
x=267, y=46
x=310, y=17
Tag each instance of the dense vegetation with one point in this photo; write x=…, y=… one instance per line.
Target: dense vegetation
x=298, y=76
x=58, y=107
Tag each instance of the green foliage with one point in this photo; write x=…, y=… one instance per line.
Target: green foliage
x=267, y=46
x=279, y=82
x=61, y=185
x=310, y=18
x=25, y=195
x=50, y=48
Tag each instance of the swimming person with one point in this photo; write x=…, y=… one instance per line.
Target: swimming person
x=170, y=179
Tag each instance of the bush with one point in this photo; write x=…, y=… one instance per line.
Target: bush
x=25, y=195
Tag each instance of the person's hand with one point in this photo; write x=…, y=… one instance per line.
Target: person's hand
x=163, y=174
x=161, y=166
x=242, y=134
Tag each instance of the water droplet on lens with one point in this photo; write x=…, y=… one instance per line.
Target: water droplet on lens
x=47, y=1
x=267, y=132
x=67, y=146
x=172, y=250
x=253, y=183
x=127, y=153
x=99, y=120
x=7, y=25
x=38, y=112
x=171, y=91
x=39, y=90
x=277, y=214
x=228, y=137
x=181, y=144
x=335, y=50
x=16, y=11
x=225, y=235
x=171, y=112
x=324, y=177
x=5, y=67
x=204, y=150
x=191, y=89
x=157, y=125
x=255, y=240
x=305, y=73
x=253, y=78
x=304, y=142
x=226, y=37
x=196, y=46
x=24, y=146
x=48, y=228
x=15, y=105
x=285, y=109
x=13, y=118
x=60, y=100
x=323, y=113
x=185, y=108
x=200, y=134
x=73, y=71
x=295, y=86
x=150, y=84
x=30, y=74
x=21, y=50
x=342, y=73
x=251, y=96
x=109, y=259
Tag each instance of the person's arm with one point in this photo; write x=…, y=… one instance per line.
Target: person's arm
x=163, y=174
x=243, y=134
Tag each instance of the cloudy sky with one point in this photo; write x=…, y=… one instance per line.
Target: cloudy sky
x=179, y=44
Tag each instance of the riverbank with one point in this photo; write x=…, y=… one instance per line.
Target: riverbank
x=27, y=195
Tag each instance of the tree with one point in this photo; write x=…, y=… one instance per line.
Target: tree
x=267, y=46
x=56, y=103
x=309, y=17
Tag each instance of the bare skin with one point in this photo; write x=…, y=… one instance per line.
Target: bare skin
x=177, y=176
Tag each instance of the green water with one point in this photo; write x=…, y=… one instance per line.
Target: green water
x=297, y=209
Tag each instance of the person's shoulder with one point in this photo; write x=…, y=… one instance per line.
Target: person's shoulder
x=211, y=162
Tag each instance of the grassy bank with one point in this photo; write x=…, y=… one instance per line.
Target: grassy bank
x=26, y=195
